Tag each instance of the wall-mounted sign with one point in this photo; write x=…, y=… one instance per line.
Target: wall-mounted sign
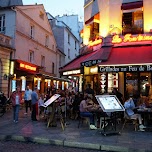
x=130, y=68
x=27, y=67
x=129, y=38
x=71, y=72
x=90, y=63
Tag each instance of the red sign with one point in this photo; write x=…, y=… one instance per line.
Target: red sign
x=129, y=38
x=27, y=67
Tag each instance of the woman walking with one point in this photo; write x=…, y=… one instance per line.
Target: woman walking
x=16, y=99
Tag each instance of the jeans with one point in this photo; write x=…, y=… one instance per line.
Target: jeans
x=16, y=109
x=28, y=104
x=33, y=115
x=89, y=115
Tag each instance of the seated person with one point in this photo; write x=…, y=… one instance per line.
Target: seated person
x=130, y=106
x=95, y=107
x=84, y=112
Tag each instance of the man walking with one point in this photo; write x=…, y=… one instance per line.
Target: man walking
x=27, y=98
x=34, y=97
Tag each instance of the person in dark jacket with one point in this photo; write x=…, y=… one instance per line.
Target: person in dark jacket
x=34, y=97
x=89, y=90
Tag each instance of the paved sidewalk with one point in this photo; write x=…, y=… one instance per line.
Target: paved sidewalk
x=26, y=130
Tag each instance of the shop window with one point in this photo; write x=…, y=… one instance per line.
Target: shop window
x=131, y=83
x=132, y=22
x=2, y=24
x=145, y=83
x=112, y=81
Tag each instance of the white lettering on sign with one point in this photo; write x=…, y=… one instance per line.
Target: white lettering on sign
x=149, y=68
x=71, y=72
x=109, y=69
x=131, y=68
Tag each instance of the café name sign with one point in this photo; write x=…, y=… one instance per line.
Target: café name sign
x=71, y=72
x=129, y=38
x=27, y=67
x=130, y=68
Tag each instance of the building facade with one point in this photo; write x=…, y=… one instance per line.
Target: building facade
x=117, y=35
x=66, y=40
x=73, y=23
x=35, y=61
x=5, y=51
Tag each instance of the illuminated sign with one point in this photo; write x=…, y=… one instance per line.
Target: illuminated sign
x=27, y=67
x=129, y=38
x=130, y=68
x=95, y=42
x=71, y=72
x=94, y=70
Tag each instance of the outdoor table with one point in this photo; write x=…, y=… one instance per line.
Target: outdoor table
x=146, y=114
x=111, y=119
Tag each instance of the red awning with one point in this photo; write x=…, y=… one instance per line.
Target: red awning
x=76, y=63
x=94, y=57
x=129, y=55
x=132, y=5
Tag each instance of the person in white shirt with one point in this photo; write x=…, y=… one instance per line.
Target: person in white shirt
x=27, y=99
x=130, y=106
x=41, y=104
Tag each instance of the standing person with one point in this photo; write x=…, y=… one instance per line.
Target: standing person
x=16, y=99
x=89, y=90
x=118, y=95
x=34, y=97
x=27, y=98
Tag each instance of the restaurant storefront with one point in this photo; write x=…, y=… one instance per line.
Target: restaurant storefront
x=125, y=63
x=23, y=73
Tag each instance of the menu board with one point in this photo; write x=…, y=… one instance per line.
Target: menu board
x=51, y=100
x=109, y=103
